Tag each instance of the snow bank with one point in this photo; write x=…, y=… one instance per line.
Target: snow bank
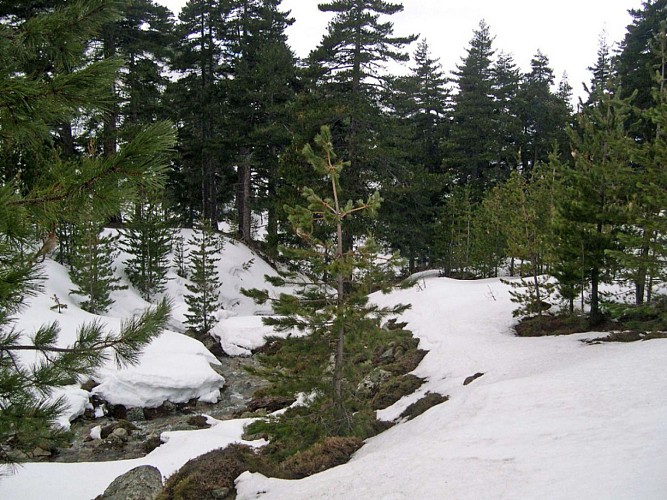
x=172, y=368
x=550, y=418
x=241, y=335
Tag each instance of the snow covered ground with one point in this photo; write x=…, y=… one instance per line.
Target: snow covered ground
x=551, y=417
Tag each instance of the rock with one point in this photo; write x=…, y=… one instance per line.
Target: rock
x=108, y=430
x=369, y=385
x=89, y=385
x=269, y=403
x=165, y=409
x=41, y=452
x=199, y=421
x=95, y=433
x=140, y=483
x=220, y=493
x=472, y=378
x=151, y=443
x=120, y=434
x=118, y=411
x=387, y=356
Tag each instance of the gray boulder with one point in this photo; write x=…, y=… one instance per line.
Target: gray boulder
x=141, y=483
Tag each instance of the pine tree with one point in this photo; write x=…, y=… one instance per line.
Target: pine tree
x=258, y=94
x=644, y=248
x=203, y=298
x=596, y=192
x=488, y=247
x=419, y=105
x=180, y=257
x=147, y=238
x=637, y=63
x=506, y=89
x=200, y=65
x=58, y=190
x=544, y=115
x=527, y=228
x=454, y=232
x=332, y=305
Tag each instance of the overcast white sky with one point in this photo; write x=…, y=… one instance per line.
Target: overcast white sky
x=566, y=31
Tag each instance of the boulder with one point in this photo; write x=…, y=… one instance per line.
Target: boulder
x=140, y=483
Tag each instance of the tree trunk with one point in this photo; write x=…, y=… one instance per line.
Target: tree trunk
x=243, y=200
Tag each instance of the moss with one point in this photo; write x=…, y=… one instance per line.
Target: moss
x=328, y=453
x=540, y=326
x=628, y=336
x=394, y=389
x=214, y=471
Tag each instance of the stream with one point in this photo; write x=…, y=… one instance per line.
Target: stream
x=141, y=435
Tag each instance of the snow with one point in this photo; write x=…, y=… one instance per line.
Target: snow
x=552, y=417
x=173, y=368
x=241, y=335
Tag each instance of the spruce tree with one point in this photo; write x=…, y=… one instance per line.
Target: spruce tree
x=57, y=190
x=419, y=117
x=147, y=238
x=203, y=298
x=93, y=266
x=472, y=146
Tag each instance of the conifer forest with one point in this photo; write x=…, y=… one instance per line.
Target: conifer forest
x=122, y=123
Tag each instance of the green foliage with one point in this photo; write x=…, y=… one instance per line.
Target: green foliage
x=472, y=141
x=147, y=238
x=92, y=267
x=596, y=191
x=48, y=83
x=533, y=295
x=203, y=296
x=180, y=257
x=454, y=232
